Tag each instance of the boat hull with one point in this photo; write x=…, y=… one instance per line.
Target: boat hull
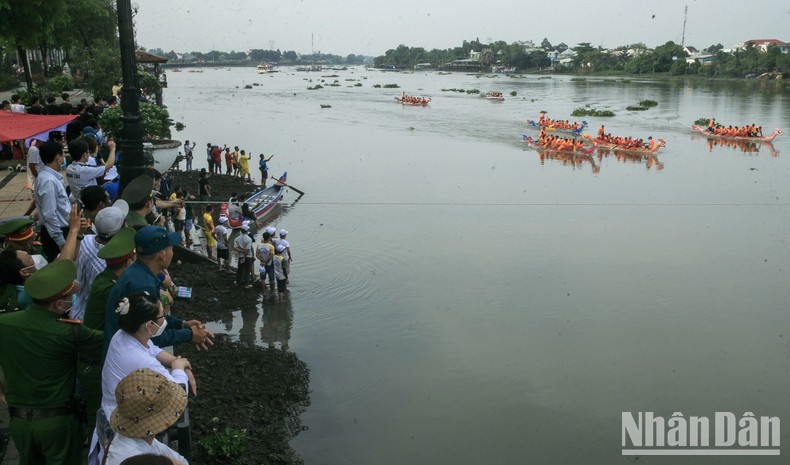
x=533, y=143
x=549, y=128
x=414, y=104
x=705, y=132
x=261, y=202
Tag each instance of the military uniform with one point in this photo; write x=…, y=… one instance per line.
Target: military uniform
x=138, y=278
x=38, y=353
x=138, y=190
x=18, y=234
x=119, y=249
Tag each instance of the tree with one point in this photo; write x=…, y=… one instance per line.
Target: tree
x=545, y=44
x=30, y=23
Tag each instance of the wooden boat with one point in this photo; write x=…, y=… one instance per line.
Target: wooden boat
x=603, y=146
x=767, y=138
x=421, y=102
x=261, y=202
x=263, y=68
x=550, y=127
x=496, y=96
x=534, y=143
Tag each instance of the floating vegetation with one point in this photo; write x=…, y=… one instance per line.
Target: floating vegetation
x=545, y=77
x=248, y=86
x=648, y=103
x=702, y=121
x=334, y=84
x=578, y=79
x=316, y=87
x=513, y=93
x=255, y=84
x=625, y=80
x=473, y=91
x=454, y=90
x=377, y=86
x=330, y=76
x=351, y=79
x=324, y=105
x=359, y=84
x=636, y=108
x=440, y=73
x=391, y=86
x=586, y=111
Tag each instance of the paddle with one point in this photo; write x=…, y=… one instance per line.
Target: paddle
x=288, y=186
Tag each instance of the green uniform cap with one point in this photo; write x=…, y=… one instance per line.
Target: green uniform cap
x=138, y=190
x=52, y=282
x=120, y=247
x=17, y=229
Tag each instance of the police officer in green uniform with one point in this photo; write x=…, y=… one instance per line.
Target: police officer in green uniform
x=138, y=195
x=38, y=353
x=118, y=253
x=19, y=235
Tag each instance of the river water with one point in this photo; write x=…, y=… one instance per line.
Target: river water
x=460, y=300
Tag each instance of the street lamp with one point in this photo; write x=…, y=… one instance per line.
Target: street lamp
x=130, y=143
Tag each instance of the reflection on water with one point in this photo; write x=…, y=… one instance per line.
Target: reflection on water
x=274, y=325
x=460, y=301
x=650, y=160
x=277, y=322
x=743, y=146
x=573, y=160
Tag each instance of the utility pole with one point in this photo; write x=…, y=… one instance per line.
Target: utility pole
x=685, y=18
x=130, y=143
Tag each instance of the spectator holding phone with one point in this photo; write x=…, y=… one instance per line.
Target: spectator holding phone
x=52, y=202
x=80, y=173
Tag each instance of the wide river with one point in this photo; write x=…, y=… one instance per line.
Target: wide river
x=460, y=299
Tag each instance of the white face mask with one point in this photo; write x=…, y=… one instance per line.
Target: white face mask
x=38, y=262
x=160, y=329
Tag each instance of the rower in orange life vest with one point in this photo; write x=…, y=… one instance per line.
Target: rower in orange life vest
x=711, y=124
x=651, y=146
x=600, y=133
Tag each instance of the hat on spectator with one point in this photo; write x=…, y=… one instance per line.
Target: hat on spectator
x=110, y=220
x=152, y=239
x=283, y=233
x=271, y=231
x=280, y=247
x=147, y=404
x=223, y=219
x=120, y=248
x=54, y=281
x=138, y=190
x=18, y=229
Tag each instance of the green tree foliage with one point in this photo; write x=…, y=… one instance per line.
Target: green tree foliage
x=270, y=56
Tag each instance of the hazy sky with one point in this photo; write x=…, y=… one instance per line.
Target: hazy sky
x=370, y=27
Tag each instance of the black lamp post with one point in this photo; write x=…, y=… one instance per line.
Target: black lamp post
x=130, y=144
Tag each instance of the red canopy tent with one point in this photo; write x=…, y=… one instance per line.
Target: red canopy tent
x=15, y=126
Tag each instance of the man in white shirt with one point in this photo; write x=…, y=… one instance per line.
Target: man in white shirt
x=52, y=202
x=107, y=223
x=16, y=104
x=80, y=173
x=221, y=232
x=242, y=245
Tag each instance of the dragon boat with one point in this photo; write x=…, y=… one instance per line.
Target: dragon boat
x=707, y=133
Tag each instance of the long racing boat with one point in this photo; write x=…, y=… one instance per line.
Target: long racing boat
x=767, y=138
x=549, y=127
x=534, y=143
